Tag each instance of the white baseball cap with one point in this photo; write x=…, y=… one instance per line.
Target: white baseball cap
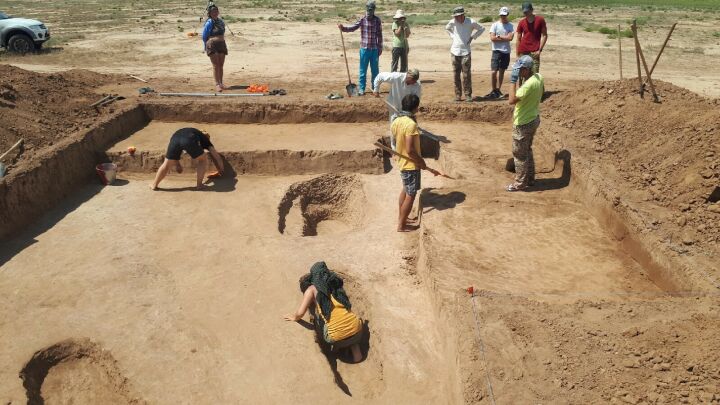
x=504, y=11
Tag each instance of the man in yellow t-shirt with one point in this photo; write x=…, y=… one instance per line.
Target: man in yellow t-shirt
x=407, y=140
x=526, y=119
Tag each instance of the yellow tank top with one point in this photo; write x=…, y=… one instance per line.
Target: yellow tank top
x=343, y=323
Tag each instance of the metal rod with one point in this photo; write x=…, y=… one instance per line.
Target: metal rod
x=18, y=143
x=619, y=51
x=645, y=66
x=210, y=95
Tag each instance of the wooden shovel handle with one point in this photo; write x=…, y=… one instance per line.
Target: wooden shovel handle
x=342, y=38
x=431, y=170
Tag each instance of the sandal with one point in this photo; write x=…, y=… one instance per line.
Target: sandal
x=515, y=187
x=219, y=88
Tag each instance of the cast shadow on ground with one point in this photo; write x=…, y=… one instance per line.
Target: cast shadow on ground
x=560, y=182
x=238, y=87
x=548, y=94
x=430, y=199
x=119, y=183
x=441, y=138
x=428, y=81
x=26, y=238
x=224, y=184
x=343, y=355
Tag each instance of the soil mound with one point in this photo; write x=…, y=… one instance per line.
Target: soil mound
x=667, y=153
x=42, y=108
x=75, y=371
x=335, y=199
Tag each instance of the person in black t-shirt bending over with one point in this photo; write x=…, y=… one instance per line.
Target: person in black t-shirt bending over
x=194, y=142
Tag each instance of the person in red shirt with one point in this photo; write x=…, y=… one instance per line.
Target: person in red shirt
x=532, y=35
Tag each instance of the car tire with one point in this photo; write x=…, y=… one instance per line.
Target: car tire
x=20, y=43
x=38, y=46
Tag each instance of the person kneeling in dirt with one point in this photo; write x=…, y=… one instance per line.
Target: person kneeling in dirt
x=406, y=132
x=526, y=119
x=325, y=298
x=194, y=142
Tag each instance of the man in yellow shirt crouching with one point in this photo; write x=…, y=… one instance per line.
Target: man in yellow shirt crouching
x=407, y=140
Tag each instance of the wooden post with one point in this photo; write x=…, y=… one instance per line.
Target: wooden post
x=657, y=58
x=633, y=27
x=619, y=51
x=645, y=66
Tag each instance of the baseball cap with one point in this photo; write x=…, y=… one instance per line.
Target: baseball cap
x=504, y=11
x=527, y=6
x=458, y=11
x=524, y=61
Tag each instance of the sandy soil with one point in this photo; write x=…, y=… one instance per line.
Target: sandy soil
x=203, y=295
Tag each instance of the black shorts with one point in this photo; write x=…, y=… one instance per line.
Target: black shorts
x=499, y=61
x=189, y=140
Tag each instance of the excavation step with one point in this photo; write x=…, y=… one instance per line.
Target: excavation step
x=264, y=149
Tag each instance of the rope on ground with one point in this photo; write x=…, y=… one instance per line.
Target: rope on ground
x=482, y=350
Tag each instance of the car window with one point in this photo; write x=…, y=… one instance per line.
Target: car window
x=3, y=15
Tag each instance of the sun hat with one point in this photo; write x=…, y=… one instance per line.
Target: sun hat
x=414, y=73
x=504, y=11
x=527, y=6
x=458, y=11
x=524, y=61
x=398, y=14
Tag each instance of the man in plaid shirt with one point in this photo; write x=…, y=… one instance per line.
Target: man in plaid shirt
x=371, y=44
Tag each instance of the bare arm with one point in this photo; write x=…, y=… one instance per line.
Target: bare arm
x=512, y=98
x=517, y=43
x=217, y=159
x=543, y=40
x=412, y=153
x=308, y=299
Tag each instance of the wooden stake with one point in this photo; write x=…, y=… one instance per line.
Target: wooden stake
x=18, y=143
x=633, y=27
x=137, y=78
x=619, y=51
x=645, y=66
x=657, y=58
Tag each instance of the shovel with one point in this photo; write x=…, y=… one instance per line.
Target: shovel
x=430, y=169
x=350, y=88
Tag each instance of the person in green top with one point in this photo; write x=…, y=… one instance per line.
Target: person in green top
x=401, y=32
x=526, y=119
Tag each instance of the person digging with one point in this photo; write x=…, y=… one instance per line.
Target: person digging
x=406, y=132
x=194, y=142
x=329, y=305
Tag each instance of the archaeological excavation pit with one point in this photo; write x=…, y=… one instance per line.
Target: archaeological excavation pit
x=189, y=288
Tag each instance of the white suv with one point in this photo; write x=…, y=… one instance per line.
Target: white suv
x=22, y=35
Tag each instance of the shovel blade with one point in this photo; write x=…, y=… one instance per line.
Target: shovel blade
x=351, y=90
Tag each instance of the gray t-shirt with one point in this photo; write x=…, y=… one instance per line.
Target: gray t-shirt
x=501, y=29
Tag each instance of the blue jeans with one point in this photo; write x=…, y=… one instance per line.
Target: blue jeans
x=372, y=57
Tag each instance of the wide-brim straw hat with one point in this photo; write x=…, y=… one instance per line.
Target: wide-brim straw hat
x=398, y=14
